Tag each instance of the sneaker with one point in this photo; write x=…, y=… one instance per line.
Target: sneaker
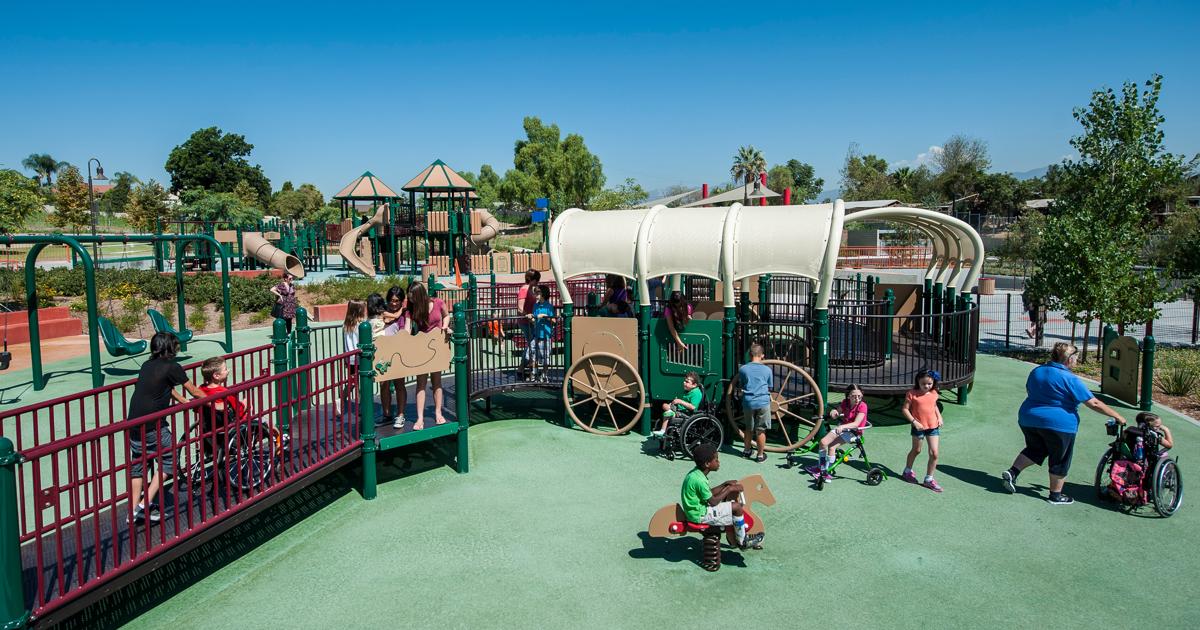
x=747, y=453
x=753, y=542
x=910, y=477
x=382, y=420
x=398, y=423
x=657, y=434
x=1009, y=481
x=761, y=458
x=932, y=484
x=813, y=470
x=139, y=514
x=826, y=477
x=1060, y=499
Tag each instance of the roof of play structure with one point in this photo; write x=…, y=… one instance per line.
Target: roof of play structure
x=730, y=243
x=366, y=186
x=737, y=195
x=438, y=177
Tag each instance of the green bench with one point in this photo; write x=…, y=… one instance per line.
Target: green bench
x=115, y=342
x=159, y=321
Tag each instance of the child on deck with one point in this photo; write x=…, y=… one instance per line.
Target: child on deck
x=356, y=313
x=537, y=353
x=395, y=315
x=717, y=506
x=920, y=409
x=688, y=401
x=755, y=380
x=851, y=416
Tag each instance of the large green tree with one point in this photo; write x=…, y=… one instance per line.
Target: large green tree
x=216, y=161
x=865, y=177
x=71, y=209
x=117, y=197
x=626, y=195
x=298, y=203
x=19, y=200
x=223, y=207
x=44, y=165
x=1088, y=261
x=562, y=169
x=487, y=185
x=805, y=184
x=748, y=162
x=148, y=205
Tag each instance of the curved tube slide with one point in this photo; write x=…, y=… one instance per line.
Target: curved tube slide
x=491, y=227
x=257, y=247
x=348, y=246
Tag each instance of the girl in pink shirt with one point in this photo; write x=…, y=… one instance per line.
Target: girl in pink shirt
x=851, y=417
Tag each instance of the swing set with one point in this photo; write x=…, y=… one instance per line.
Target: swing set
x=101, y=328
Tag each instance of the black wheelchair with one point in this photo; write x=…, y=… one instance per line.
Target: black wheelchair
x=686, y=431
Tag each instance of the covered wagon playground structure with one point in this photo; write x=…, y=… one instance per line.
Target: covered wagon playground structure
x=550, y=526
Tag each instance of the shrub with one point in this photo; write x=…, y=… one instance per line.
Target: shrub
x=78, y=305
x=259, y=317
x=197, y=319
x=1178, y=381
x=127, y=322
x=248, y=295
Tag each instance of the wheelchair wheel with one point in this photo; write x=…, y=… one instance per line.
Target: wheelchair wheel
x=1102, y=470
x=1168, y=487
x=250, y=456
x=874, y=477
x=701, y=428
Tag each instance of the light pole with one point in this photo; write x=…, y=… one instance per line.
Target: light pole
x=92, y=203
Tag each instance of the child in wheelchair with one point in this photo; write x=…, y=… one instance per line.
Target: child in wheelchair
x=1136, y=454
x=687, y=402
x=851, y=419
x=217, y=417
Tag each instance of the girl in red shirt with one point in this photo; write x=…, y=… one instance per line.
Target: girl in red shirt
x=851, y=417
x=921, y=410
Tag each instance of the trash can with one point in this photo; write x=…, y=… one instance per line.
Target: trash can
x=987, y=286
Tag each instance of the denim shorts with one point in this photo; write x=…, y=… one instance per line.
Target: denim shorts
x=160, y=442
x=758, y=420
x=927, y=433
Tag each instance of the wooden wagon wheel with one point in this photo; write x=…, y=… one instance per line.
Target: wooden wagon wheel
x=785, y=406
x=607, y=392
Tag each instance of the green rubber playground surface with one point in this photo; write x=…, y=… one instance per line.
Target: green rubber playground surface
x=548, y=530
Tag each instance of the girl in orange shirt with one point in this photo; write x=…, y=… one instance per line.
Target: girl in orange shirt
x=921, y=410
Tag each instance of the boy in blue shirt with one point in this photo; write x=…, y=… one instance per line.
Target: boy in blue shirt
x=543, y=322
x=755, y=380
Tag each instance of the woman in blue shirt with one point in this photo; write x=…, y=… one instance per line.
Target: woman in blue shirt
x=1049, y=418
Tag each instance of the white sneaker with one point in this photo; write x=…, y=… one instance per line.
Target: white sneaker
x=399, y=422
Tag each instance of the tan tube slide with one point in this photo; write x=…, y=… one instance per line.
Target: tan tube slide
x=348, y=246
x=491, y=227
x=257, y=247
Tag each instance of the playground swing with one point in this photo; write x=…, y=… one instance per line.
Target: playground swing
x=160, y=324
x=116, y=343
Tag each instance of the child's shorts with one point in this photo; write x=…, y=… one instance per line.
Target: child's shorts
x=927, y=433
x=720, y=514
x=758, y=420
x=141, y=453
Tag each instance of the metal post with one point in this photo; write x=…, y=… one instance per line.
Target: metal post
x=1107, y=338
x=728, y=327
x=871, y=281
x=821, y=355
x=279, y=362
x=593, y=304
x=964, y=337
x=462, y=404
x=644, y=359
x=13, y=613
x=1195, y=314
x=764, y=298
x=568, y=315
x=1007, y=318
x=937, y=307
x=366, y=408
x=926, y=304
x=303, y=355
x=179, y=306
x=890, y=297
x=473, y=294
x=1148, y=350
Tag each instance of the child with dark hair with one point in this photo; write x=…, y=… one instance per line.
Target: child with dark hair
x=427, y=316
x=718, y=506
x=851, y=417
x=218, y=415
x=153, y=392
x=678, y=313
x=921, y=411
x=537, y=353
x=376, y=307
x=616, y=297
x=395, y=316
x=687, y=402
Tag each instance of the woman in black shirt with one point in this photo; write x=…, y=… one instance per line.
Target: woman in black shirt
x=155, y=389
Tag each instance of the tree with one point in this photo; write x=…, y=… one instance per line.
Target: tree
x=324, y=214
x=747, y=164
x=626, y=195
x=518, y=189
x=779, y=177
x=1002, y=194
x=563, y=170
x=296, y=204
x=805, y=185
x=19, y=199
x=220, y=207
x=44, y=165
x=147, y=206
x=487, y=186
x=117, y=197
x=962, y=152
x=216, y=161
x=865, y=177
x=246, y=194
x=1180, y=248
x=1095, y=235
x=71, y=209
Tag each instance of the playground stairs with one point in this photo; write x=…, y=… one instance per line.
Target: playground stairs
x=53, y=322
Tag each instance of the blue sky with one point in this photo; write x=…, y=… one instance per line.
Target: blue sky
x=662, y=92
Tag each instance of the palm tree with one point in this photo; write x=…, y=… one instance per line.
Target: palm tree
x=42, y=164
x=747, y=164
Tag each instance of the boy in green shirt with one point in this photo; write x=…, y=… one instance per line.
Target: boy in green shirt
x=688, y=401
x=718, y=506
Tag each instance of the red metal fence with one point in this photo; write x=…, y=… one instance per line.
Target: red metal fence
x=884, y=257
x=76, y=517
x=504, y=294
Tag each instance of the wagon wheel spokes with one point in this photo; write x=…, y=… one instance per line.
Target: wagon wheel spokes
x=605, y=380
x=780, y=406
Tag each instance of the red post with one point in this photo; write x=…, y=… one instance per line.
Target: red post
x=704, y=191
x=762, y=177
x=787, y=196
